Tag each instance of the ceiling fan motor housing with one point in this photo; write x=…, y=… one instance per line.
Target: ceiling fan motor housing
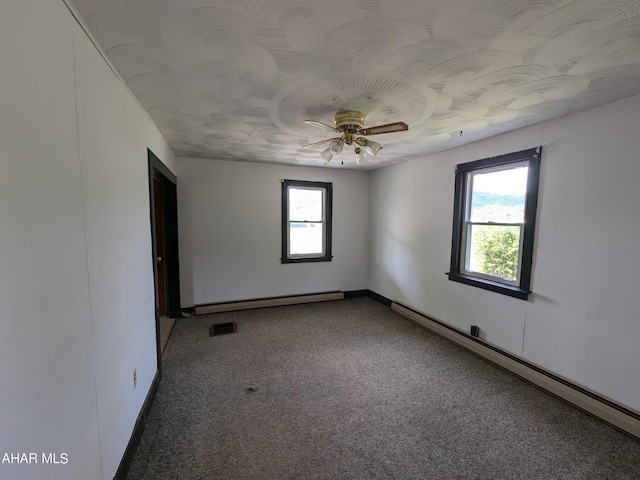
x=349, y=123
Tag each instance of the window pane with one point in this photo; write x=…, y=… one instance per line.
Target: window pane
x=306, y=238
x=494, y=250
x=305, y=204
x=498, y=196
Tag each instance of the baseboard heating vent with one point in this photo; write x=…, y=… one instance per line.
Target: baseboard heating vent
x=268, y=302
x=617, y=415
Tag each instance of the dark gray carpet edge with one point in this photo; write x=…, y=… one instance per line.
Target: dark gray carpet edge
x=350, y=390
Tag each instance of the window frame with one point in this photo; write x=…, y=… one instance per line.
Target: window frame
x=327, y=189
x=462, y=200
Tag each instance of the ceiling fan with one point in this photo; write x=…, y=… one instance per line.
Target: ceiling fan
x=349, y=124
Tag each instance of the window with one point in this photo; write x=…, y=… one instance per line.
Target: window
x=493, y=222
x=306, y=221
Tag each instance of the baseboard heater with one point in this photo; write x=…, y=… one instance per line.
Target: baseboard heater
x=620, y=417
x=267, y=302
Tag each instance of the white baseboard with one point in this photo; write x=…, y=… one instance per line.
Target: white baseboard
x=617, y=415
x=268, y=302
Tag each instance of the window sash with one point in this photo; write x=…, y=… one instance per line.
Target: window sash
x=466, y=251
x=321, y=222
x=470, y=178
x=291, y=212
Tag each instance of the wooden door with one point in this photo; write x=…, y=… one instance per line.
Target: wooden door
x=161, y=283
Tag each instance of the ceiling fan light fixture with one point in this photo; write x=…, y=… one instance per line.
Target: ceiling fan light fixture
x=371, y=148
x=336, y=146
x=360, y=156
x=327, y=154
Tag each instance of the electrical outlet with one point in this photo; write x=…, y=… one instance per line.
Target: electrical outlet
x=135, y=378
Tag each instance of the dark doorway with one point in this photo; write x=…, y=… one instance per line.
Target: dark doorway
x=164, y=234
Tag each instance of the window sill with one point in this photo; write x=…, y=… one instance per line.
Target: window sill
x=504, y=289
x=326, y=258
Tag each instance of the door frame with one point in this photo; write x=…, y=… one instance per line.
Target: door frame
x=160, y=171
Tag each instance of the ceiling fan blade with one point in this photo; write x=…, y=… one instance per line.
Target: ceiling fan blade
x=386, y=128
x=321, y=142
x=324, y=126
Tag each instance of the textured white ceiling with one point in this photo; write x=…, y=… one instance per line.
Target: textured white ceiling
x=235, y=79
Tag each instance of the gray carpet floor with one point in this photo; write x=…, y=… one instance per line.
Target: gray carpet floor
x=350, y=390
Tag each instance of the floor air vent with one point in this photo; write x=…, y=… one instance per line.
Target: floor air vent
x=223, y=328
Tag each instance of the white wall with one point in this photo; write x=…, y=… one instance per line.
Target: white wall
x=113, y=137
x=230, y=232
x=582, y=319
x=76, y=284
